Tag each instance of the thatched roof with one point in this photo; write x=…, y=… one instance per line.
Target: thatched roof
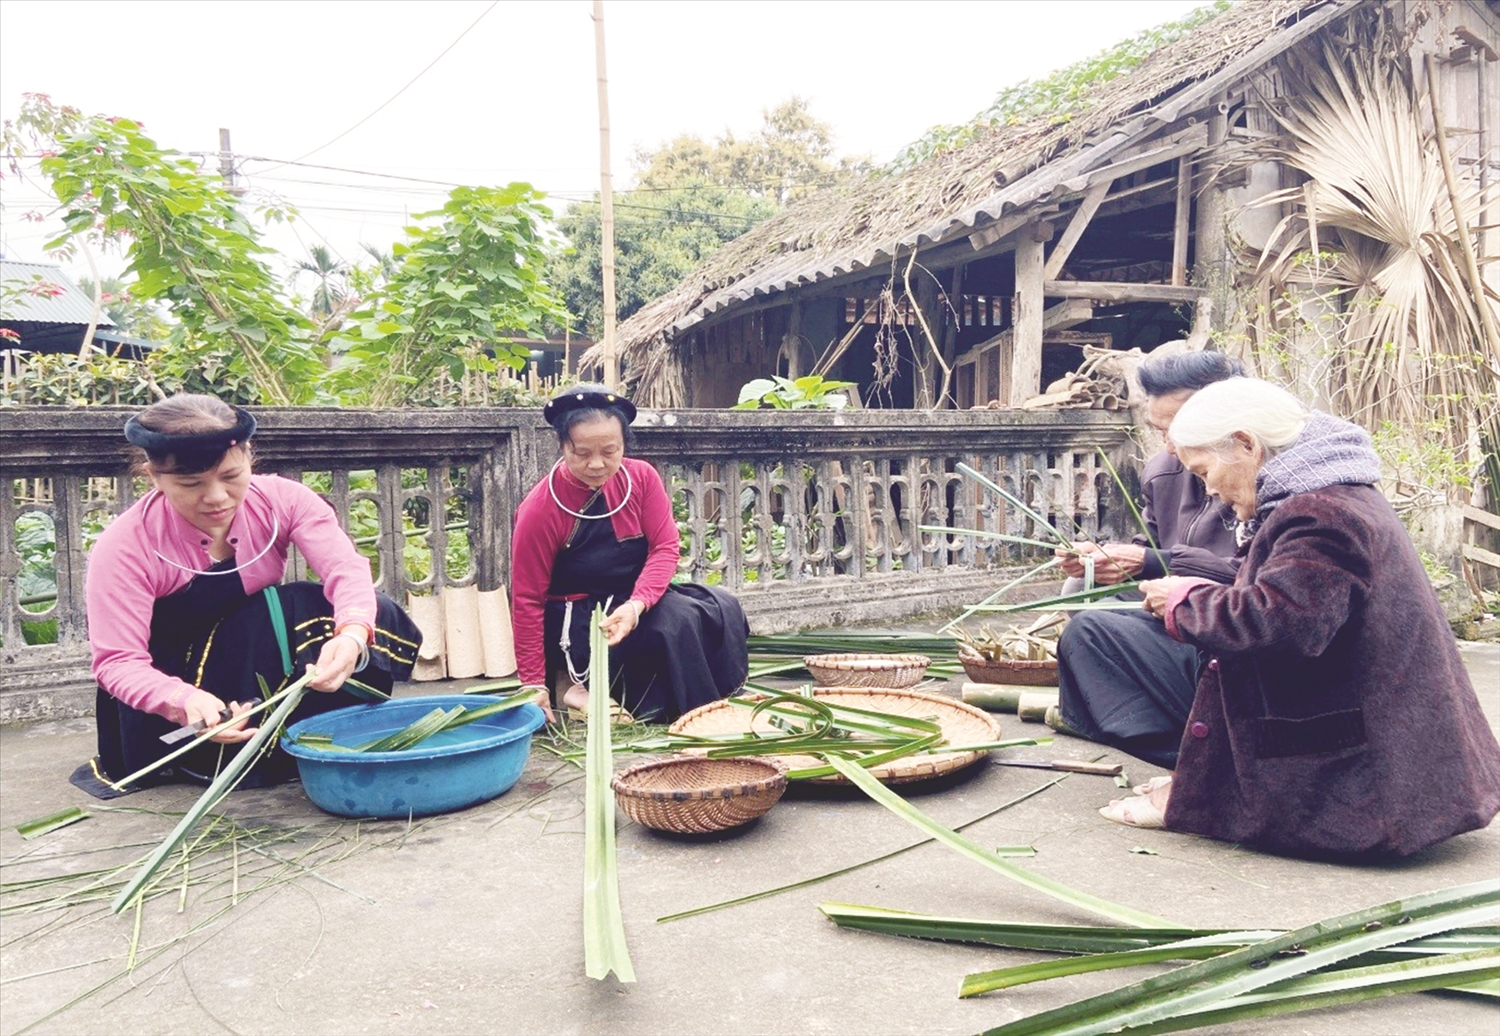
x=851, y=227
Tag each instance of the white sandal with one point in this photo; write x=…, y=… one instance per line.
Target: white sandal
x=1138, y=811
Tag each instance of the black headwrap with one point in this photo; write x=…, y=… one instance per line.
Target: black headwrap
x=586, y=397
x=193, y=451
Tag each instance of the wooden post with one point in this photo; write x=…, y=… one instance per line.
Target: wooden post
x=1024, y=378
x=1213, y=267
x=791, y=342
x=611, y=361
x=1181, y=225
x=925, y=369
x=953, y=315
x=1466, y=243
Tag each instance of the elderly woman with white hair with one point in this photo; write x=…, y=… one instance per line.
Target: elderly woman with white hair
x=1334, y=714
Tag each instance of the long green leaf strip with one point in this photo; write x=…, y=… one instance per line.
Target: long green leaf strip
x=1202, y=946
x=1261, y=964
x=1452, y=971
x=221, y=786
x=604, y=948
x=1014, y=501
x=1053, y=938
x=839, y=872
x=906, y=811
x=1135, y=512
x=992, y=598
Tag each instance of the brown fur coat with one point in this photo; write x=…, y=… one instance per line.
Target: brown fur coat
x=1334, y=714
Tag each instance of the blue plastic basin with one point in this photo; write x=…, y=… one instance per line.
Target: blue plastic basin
x=453, y=770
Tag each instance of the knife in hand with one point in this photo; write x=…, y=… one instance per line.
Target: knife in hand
x=194, y=729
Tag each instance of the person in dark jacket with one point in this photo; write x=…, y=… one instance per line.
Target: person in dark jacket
x=1334, y=714
x=1187, y=533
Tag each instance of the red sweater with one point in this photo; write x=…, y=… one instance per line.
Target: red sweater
x=542, y=527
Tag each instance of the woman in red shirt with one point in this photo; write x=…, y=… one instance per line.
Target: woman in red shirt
x=599, y=530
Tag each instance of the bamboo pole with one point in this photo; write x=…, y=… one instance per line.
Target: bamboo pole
x=607, y=204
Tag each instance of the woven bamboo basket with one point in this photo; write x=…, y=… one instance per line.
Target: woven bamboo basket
x=867, y=669
x=693, y=795
x=1033, y=673
x=961, y=724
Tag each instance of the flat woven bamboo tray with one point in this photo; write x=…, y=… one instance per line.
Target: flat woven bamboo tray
x=692, y=795
x=867, y=669
x=1037, y=673
x=961, y=724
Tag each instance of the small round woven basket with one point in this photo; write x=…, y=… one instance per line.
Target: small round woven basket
x=1040, y=673
x=867, y=669
x=692, y=795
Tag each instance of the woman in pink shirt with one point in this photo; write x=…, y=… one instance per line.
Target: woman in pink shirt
x=185, y=608
x=599, y=530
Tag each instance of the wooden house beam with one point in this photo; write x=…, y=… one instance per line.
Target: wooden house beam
x=1115, y=291
x=1024, y=374
x=1092, y=199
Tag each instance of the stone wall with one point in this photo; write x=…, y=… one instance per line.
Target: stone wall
x=813, y=518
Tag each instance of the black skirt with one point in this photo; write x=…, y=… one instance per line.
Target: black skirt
x=214, y=636
x=689, y=650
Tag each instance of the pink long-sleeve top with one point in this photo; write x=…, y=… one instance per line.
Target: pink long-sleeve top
x=127, y=574
x=542, y=527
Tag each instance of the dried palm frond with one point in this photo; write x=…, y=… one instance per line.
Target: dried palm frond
x=1372, y=237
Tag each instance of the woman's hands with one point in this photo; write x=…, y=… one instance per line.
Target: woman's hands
x=202, y=707
x=1158, y=590
x=621, y=622
x=1113, y=562
x=542, y=697
x=338, y=660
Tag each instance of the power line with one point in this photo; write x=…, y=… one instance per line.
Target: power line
x=398, y=93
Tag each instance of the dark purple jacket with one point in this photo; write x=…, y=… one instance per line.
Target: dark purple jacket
x=1193, y=531
x=1334, y=714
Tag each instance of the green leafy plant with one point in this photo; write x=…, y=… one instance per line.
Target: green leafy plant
x=812, y=392
x=187, y=243
x=471, y=276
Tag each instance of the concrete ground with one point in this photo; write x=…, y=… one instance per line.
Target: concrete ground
x=472, y=922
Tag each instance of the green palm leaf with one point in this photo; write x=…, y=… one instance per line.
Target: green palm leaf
x=604, y=948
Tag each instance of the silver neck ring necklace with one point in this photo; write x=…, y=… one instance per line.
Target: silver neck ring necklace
x=552, y=488
x=275, y=532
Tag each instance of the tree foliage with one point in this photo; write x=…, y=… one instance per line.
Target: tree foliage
x=186, y=243
x=451, y=296
x=474, y=276
x=130, y=314
x=691, y=196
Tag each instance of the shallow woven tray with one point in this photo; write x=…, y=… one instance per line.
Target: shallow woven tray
x=693, y=795
x=961, y=724
x=1038, y=673
x=867, y=669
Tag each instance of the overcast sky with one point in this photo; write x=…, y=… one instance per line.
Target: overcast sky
x=515, y=97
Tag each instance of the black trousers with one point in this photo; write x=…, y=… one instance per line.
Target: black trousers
x=1124, y=681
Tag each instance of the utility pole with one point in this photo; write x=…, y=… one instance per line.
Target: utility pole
x=607, y=202
x=226, y=165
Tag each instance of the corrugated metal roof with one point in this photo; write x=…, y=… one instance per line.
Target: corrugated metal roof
x=70, y=306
